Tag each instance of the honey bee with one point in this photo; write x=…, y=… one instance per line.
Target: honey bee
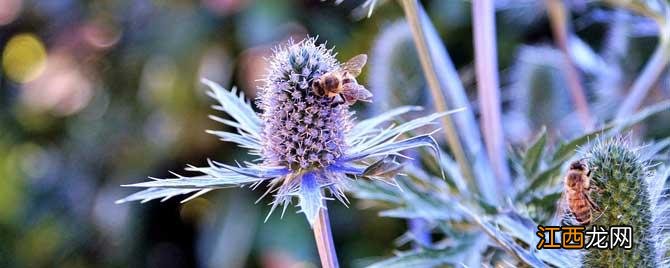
x=341, y=84
x=577, y=193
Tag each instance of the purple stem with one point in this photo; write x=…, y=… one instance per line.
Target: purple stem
x=486, y=67
x=324, y=239
x=559, y=25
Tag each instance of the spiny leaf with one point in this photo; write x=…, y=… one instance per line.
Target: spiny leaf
x=195, y=182
x=366, y=126
x=389, y=134
x=156, y=193
x=534, y=153
x=396, y=147
x=369, y=190
x=310, y=198
x=234, y=104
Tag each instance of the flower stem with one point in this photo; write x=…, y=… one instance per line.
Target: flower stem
x=411, y=13
x=488, y=89
x=559, y=25
x=324, y=239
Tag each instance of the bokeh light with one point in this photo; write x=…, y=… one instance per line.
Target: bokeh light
x=9, y=11
x=101, y=34
x=23, y=58
x=61, y=88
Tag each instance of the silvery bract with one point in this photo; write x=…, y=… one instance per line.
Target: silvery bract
x=305, y=143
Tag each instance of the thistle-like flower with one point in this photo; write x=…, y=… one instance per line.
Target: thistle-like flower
x=305, y=142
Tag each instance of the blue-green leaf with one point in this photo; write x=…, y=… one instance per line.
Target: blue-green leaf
x=365, y=127
x=161, y=193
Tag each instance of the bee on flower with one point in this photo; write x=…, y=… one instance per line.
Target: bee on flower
x=308, y=144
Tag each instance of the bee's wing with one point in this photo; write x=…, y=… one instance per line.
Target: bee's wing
x=355, y=64
x=562, y=215
x=354, y=91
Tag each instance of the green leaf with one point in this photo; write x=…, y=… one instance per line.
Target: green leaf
x=545, y=176
x=533, y=156
x=546, y=200
x=565, y=151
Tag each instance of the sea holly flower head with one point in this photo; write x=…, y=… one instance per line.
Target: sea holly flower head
x=307, y=145
x=301, y=130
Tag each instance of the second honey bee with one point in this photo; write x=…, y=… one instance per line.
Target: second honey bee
x=341, y=84
x=577, y=193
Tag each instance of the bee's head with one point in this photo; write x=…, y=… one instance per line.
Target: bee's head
x=573, y=180
x=331, y=82
x=578, y=165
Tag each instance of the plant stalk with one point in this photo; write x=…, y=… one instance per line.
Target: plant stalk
x=558, y=19
x=657, y=63
x=486, y=70
x=324, y=239
x=410, y=8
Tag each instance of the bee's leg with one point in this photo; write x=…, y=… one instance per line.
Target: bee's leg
x=596, y=189
x=346, y=99
x=337, y=100
x=599, y=215
x=587, y=185
x=591, y=203
x=340, y=99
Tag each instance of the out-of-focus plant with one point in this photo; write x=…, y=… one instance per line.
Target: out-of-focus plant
x=488, y=88
x=559, y=18
x=473, y=232
x=471, y=229
x=462, y=133
x=537, y=94
x=306, y=142
x=395, y=76
x=659, y=11
x=603, y=74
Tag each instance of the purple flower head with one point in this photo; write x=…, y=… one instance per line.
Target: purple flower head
x=293, y=114
x=308, y=145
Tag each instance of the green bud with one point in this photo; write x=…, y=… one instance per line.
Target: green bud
x=621, y=192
